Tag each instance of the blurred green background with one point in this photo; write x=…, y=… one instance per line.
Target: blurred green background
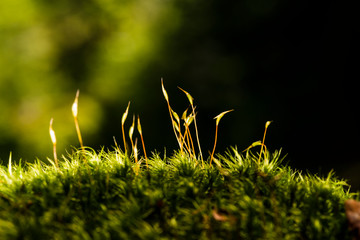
x=293, y=62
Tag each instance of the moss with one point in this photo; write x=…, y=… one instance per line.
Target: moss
x=103, y=195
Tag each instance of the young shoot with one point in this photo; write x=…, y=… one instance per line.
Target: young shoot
x=174, y=125
x=187, y=139
x=218, y=118
x=191, y=100
x=131, y=132
x=263, y=141
x=75, y=115
x=142, y=140
x=136, y=151
x=10, y=167
x=53, y=140
x=124, y=116
x=137, y=166
x=116, y=145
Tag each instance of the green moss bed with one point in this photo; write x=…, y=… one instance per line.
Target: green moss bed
x=109, y=195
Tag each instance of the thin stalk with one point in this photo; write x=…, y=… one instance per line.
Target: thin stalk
x=213, y=151
x=170, y=112
x=192, y=143
x=263, y=141
x=9, y=166
x=197, y=134
x=116, y=145
x=75, y=115
x=185, y=141
x=187, y=134
x=124, y=116
x=218, y=118
x=53, y=139
x=191, y=99
x=135, y=152
x=131, y=131
x=177, y=125
x=137, y=166
x=142, y=141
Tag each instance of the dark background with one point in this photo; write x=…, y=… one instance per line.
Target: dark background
x=292, y=62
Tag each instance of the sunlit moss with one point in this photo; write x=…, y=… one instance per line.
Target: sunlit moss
x=109, y=196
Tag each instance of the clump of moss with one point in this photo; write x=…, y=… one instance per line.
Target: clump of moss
x=106, y=195
x=121, y=195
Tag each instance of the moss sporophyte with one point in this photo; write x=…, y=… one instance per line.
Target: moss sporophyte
x=120, y=194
